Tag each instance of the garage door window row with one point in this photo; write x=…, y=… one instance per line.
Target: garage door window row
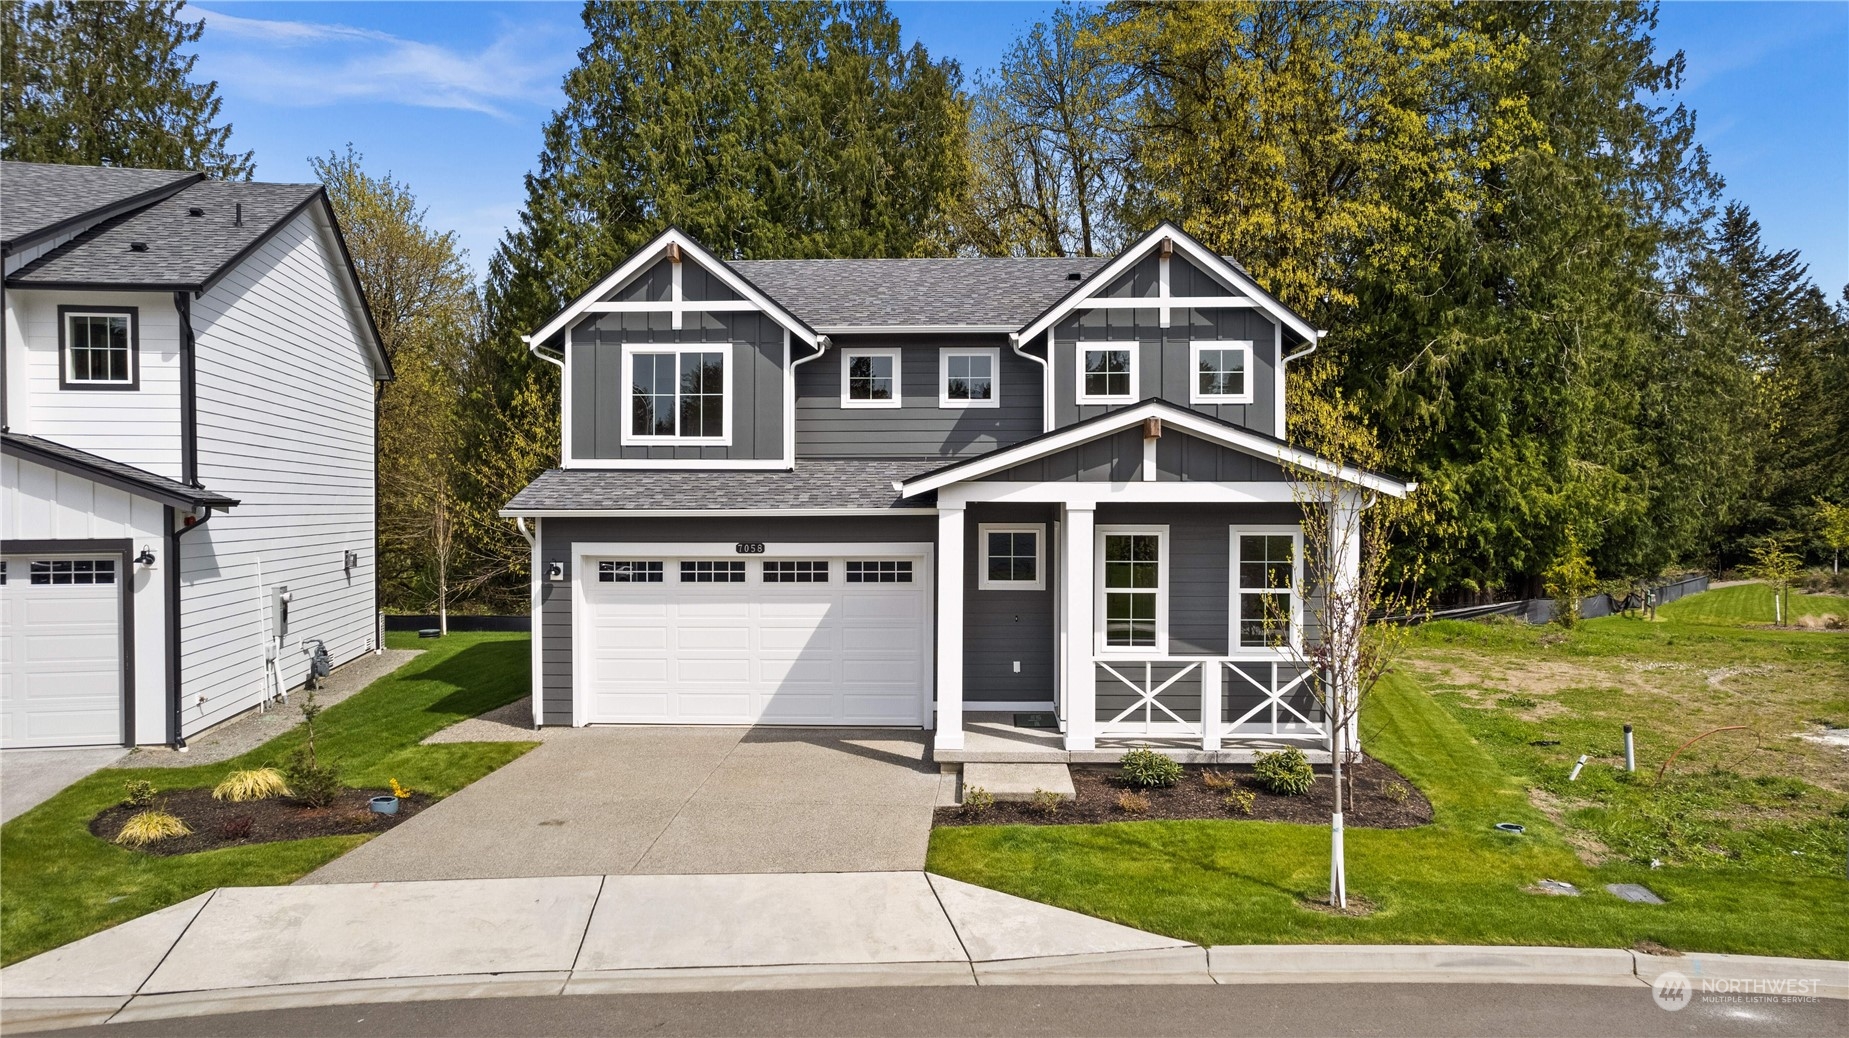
x=74, y=571
x=726, y=571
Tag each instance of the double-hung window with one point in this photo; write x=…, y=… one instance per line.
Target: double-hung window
x=1107, y=372
x=1013, y=557
x=1222, y=373
x=870, y=378
x=98, y=347
x=678, y=394
x=969, y=377
x=1267, y=574
x=1133, y=589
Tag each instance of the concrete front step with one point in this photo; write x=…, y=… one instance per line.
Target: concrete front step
x=1019, y=781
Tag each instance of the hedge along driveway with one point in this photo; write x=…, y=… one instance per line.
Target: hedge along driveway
x=61, y=883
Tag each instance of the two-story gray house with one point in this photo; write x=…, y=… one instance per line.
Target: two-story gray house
x=930, y=493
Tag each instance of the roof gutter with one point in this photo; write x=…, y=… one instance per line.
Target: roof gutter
x=540, y=351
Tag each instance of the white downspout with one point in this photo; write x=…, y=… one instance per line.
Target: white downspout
x=538, y=692
x=1283, y=362
x=822, y=343
x=1046, y=380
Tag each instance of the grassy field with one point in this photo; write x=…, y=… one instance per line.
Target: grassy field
x=59, y=883
x=1748, y=828
x=1751, y=604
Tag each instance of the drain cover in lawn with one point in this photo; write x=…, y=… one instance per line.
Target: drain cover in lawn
x=1634, y=892
x=1035, y=721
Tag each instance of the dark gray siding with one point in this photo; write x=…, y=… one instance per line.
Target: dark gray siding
x=1000, y=627
x=656, y=284
x=1118, y=458
x=1184, y=279
x=558, y=535
x=1200, y=564
x=599, y=383
x=918, y=427
x=1164, y=359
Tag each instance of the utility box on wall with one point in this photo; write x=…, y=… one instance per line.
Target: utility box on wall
x=279, y=612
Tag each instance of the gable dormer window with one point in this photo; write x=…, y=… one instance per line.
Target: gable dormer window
x=870, y=377
x=678, y=394
x=1222, y=373
x=98, y=347
x=1107, y=372
x=969, y=377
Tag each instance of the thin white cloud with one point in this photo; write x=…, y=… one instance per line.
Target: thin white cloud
x=311, y=64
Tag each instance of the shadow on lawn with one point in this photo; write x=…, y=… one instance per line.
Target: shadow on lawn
x=481, y=675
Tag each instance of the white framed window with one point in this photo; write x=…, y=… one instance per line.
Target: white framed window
x=1132, y=604
x=1013, y=557
x=870, y=377
x=1267, y=579
x=679, y=394
x=970, y=377
x=1222, y=372
x=1107, y=372
x=74, y=571
x=98, y=348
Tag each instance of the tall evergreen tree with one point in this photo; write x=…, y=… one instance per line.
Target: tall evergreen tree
x=107, y=84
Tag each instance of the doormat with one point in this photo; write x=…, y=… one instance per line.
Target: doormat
x=1035, y=721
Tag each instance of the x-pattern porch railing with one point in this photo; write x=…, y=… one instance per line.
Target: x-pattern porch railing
x=1164, y=695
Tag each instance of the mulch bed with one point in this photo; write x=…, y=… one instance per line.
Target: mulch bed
x=1366, y=804
x=219, y=823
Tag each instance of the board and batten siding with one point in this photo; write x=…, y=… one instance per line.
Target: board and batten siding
x=918, y=427
x=139, y=427
x=600, y=383
x=1002, y=626
x=556, y=537
x=286, y=426
x=1165, y=360
x=1118, y=458
x=42, y=504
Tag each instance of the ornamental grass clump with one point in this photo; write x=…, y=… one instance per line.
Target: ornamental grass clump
x=1132, y=803
x=148, y=827
x=1285, y=772
x=251, y=784
x=1149, y=769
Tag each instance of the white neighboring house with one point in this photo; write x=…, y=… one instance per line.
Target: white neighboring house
x=189, y=397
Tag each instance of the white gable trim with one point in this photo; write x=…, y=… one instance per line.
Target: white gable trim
x=1187, y=421
x=1195, y=251
x=646, y=256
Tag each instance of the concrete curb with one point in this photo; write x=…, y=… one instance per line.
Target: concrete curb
x=766, y=978
x=1770, y=974
x=1441, y=964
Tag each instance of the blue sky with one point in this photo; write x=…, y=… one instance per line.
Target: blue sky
x=451, y=97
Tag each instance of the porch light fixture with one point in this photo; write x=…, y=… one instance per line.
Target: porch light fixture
x=146, y=558
x=352, y=561
x=555, y=571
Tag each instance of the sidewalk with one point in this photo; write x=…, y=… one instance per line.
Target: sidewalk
x=240, y=949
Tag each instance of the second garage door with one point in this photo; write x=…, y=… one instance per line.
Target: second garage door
x=812, y=640
x=60, y=651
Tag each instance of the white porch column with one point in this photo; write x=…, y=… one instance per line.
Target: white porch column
x=1212, y=673
x=1348, y=606
x=1081, y=676
x=949, y=735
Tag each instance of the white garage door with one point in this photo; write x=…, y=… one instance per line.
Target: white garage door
x=798, y=640
x=60, y=651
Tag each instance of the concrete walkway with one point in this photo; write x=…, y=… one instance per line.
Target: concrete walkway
x=242, y=949
x=624, y=800
x=29, y=777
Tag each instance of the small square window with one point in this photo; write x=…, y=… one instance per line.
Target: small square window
x=1222, y=373
x=629, y=571
x=99, y=349
x=883, y=571
x=796, y=571
x=870, y=378
x=1011, y=557
x=969, y=378
x=1107, y=372
x=719, y=572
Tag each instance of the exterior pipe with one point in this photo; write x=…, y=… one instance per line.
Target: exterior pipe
x=189, y=393
x=175, y=707
x=1046, y=381
x=534, y=348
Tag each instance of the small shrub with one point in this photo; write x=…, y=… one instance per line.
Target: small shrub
x=1132, y=803
x=1047, y=802
x=1396, y=792
x=1149, y=769
x=138, y=793
x=236, y=827
x=254, y=784
x=149, y=827
x=1285, y=772
x=1239, y=800
x=977, y=801
x=311, y=782
x=1218, y=780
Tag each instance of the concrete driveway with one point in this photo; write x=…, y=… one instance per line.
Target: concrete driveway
x=664, y=801
x=28, y=778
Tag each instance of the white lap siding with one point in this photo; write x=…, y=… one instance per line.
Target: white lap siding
x=285, y=413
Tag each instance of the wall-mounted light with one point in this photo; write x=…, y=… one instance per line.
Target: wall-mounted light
x=146, y=558
x=555, y=571
x=353, y=561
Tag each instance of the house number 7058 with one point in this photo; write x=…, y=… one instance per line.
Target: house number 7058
x=749, y=547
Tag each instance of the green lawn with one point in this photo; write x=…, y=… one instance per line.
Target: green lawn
x=1750, y=604
x=59, y=883
x=1458, y=720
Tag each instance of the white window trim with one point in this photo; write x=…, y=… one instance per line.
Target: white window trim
x=1195, y=396
x=631, y=438
x=133, y=381
x=994, y=353
x=1295, y=533
x=847, y=359
x=985, y=583
x=1162, y=585
x=1078, y=363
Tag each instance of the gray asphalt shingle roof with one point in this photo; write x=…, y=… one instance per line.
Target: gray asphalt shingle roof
x=183, y=251
x=139, y=481
x=991, y=291
x=38, y=197
x=815, y=483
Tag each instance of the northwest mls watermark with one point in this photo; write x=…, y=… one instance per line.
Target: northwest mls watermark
x=1674, y=991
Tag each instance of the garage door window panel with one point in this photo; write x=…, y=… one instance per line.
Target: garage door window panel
x=632, y=571
x=796, y=571
x=883, y=571
x=705, y=572
x=74, y=571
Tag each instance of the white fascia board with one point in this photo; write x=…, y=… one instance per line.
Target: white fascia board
x=683, y=513
x=1194, y=424
x=716, y=464
x=1091, y=495
x=1196, y=252
x=772, y=549
x=646, y=255
x=915, y=329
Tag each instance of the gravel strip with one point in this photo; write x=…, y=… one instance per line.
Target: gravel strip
x=253, y=728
